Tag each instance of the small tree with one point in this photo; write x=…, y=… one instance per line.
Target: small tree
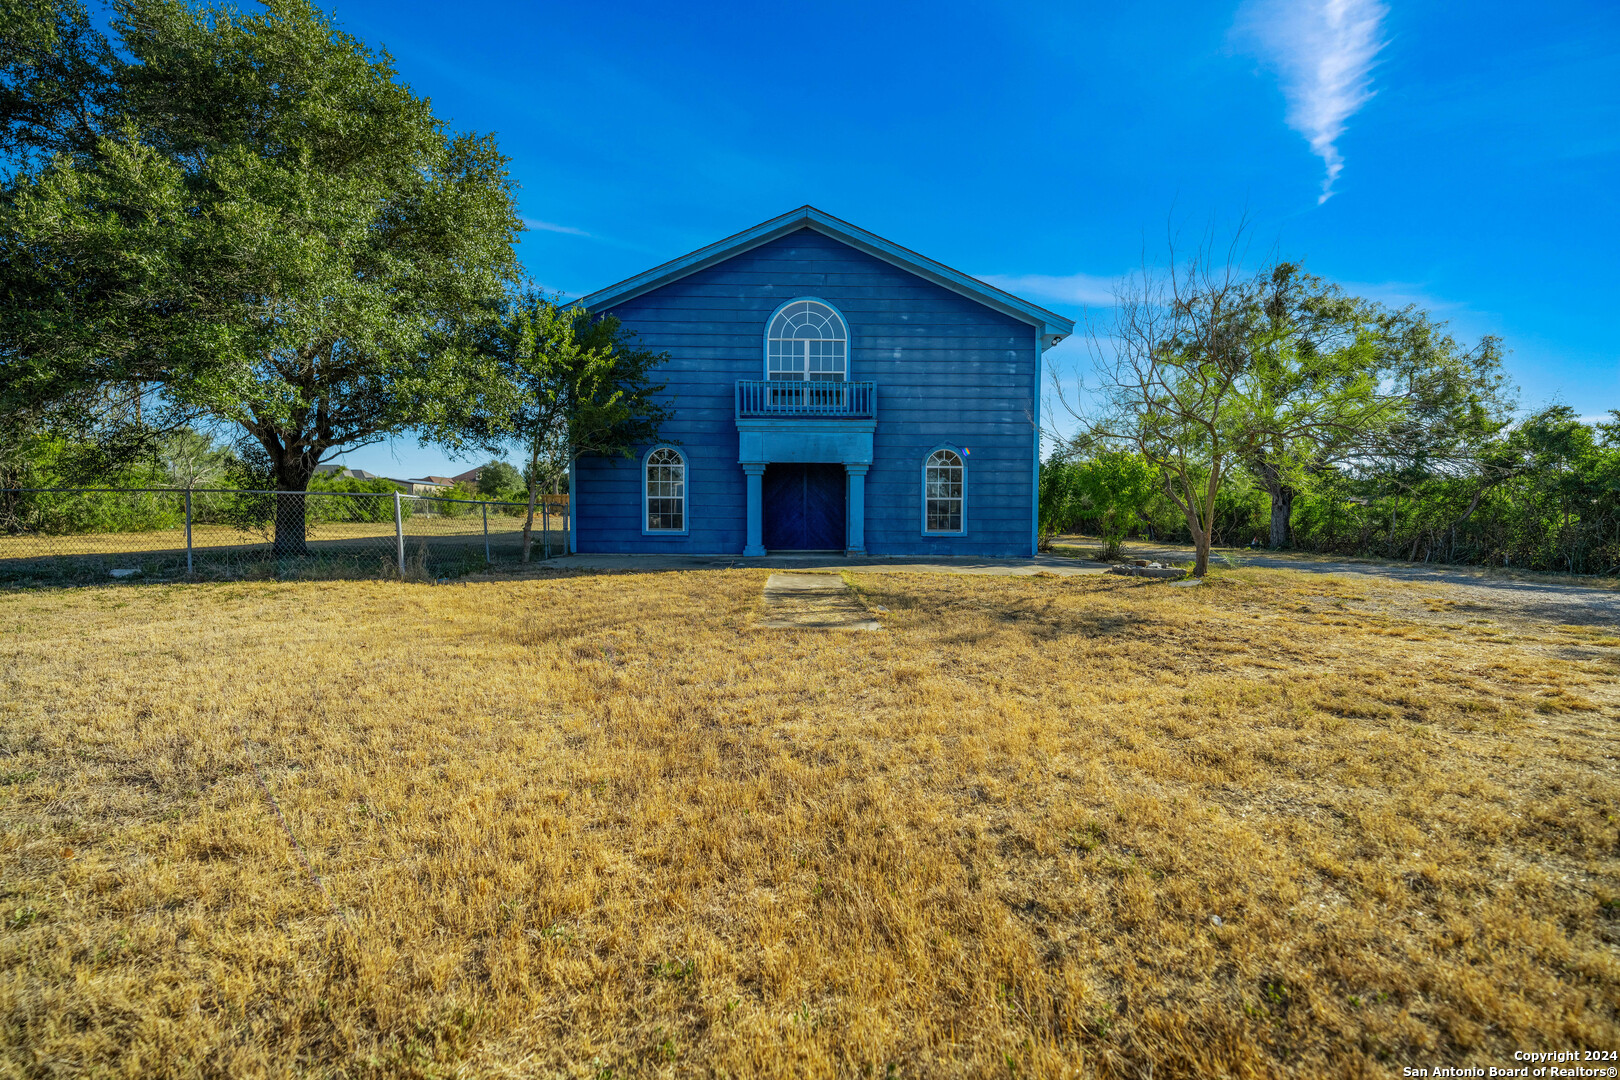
x=565, y=384
x=1059, y=497
x=1205, y=367
x=499, y=480
x=193, y=459
x=1115, y=486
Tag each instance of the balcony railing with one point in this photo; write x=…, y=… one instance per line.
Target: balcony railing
x=762, y=398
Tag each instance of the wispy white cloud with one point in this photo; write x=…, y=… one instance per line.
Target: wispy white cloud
x=1323, y=51
x=562, y=294
x=1399, y=294
x=1095, y=290
x=536, y=225
x=549, y=226
x=1073, y=289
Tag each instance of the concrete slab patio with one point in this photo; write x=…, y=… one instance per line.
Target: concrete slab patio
x=864, y=564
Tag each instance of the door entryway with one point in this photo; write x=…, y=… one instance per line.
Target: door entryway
x=804, y=507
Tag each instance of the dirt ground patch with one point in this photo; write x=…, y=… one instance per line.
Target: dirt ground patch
x=596, y=825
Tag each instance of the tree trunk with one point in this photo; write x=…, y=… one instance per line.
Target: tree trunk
x=1282, y=503
x=1189, y=502
x=528, y=522
x=292, y=485
x=1282, y=515
x=1202, y=538
x=291, y=540
x=1201, y=541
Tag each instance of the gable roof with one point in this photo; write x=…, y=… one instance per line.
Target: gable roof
x=1053, y=327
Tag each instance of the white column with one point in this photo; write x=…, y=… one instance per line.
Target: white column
x=857, y=508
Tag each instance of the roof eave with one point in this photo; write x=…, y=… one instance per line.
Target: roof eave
x=1051, y=326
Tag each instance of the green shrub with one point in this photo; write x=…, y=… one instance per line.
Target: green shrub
x=61, y=513
x=348, y=499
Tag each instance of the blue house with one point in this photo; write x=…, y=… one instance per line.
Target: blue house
x=829, y=391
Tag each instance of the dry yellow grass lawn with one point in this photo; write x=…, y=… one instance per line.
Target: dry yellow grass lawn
x=597, y=826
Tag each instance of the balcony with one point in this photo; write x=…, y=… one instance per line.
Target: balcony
x=768, y=399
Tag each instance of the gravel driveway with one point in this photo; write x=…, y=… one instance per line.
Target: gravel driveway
x=1535, y=597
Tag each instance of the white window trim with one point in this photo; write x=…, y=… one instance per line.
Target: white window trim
x=686, y=493
x=961, y=460
x=804, y=375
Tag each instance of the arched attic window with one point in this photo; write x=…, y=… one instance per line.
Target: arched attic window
x=807, y=340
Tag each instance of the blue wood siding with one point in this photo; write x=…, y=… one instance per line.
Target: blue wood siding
x=947, y=369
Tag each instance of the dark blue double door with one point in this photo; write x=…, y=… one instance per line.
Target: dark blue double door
x=804, y=507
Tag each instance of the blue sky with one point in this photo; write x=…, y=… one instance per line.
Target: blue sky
x=1474, y=150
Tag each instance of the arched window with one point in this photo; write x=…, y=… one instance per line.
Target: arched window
x=807, y=340
x=666, y=491
x=942, y=492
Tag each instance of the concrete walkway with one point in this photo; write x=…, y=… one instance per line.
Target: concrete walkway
x=813, y=602
x=805, y=564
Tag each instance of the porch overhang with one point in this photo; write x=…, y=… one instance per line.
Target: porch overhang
x=846, y=441
x=843, y=441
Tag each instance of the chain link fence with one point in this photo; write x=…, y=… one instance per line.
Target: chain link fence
x=81, y=535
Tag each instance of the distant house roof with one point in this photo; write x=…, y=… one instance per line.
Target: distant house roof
x=336, y=470
x=445, y=480
x=468, y=477
x=1052, y=326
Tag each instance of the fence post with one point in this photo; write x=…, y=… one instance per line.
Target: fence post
x=485, y=508
x=188, y=532
x=399, y=536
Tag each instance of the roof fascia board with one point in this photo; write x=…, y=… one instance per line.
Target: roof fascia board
x=691, y=263
x=1053, y=327
x=1049, y=322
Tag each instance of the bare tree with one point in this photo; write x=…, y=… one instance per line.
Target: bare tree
x=1168, y=365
